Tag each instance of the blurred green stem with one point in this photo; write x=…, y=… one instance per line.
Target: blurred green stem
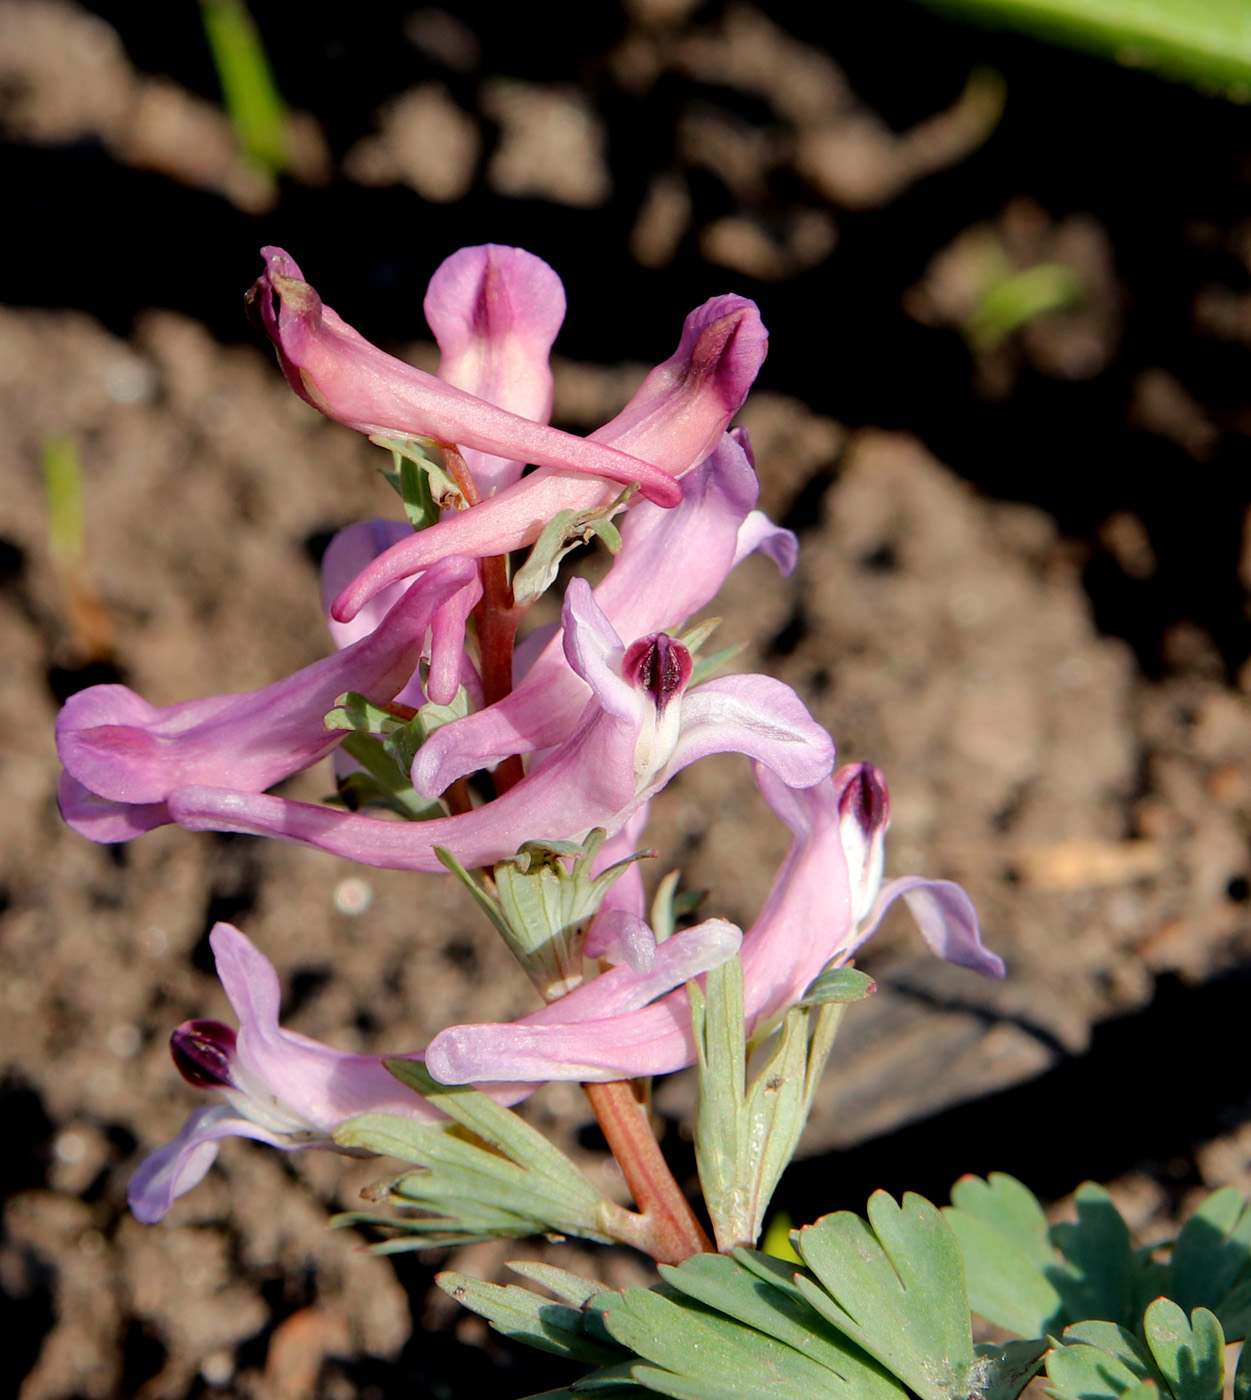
x=1204, y=41
x=253, y=102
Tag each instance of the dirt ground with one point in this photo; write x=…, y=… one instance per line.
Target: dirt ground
x=1090, y=788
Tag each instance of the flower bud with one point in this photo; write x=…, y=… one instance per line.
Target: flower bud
x=203, y=1050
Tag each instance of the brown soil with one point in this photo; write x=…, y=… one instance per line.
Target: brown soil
x=1098, y=816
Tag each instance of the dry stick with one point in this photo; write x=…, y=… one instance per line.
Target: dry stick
x=668, y=1229
x=673, y=1233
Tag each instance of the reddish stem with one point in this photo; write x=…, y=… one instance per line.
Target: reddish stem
x=672, y=1231
x=497, y=619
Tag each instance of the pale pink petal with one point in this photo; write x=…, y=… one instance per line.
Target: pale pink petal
x=495, y=312
x=172, y=1170
x=676, y=419
x=617, y=936
x=346, y=555
x=118, y=746
x=759, y=534
x=314, y=1082
x=605, y=1029
x=947, y=920
x=757, y=716
x=99, y=819
x=334, y=368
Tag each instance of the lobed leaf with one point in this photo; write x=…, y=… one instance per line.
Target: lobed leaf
x=1002, y=1234
x=1190, y=1355
x=527, y=1317
x=895, y=1286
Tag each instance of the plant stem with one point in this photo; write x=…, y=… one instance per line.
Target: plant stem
x=497, y=620
x=665, y=1225
x=672, y=1232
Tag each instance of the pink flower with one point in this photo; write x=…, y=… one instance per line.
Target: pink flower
x=671, y=564
x=334, y=368
x=825, y=901
x=639, y=726
x=494, y=312
x=279, y=1087
x=267, y=1083
x=124, y=757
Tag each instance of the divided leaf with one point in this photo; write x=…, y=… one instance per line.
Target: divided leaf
x=525, y=1316
x=500, y=1178
x=1003, y=1236
x=1097, y=1277
x=746, y=1133
x=1100, y=1361
x=1190, y=1354
x=1213, y=1251
x=896, y=1287
x=724, y=1284
x=693, y=1352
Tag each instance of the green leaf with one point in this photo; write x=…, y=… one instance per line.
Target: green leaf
x=63, y=488
x=1190, y=1355
x=745, y=1135
x=525, y=1316
x=542, y=901
x=1014, y=300
x=896, y=1287
x=1242, y=1376
x=1003, y=1237
x=1097, y=1277
x=500, y=1178
x=564, y=532
x=1211, y=1252
x=1012, y=1209
x=705, y=666
x=385, y=782
x=421, y=478
x=696, y=1353
x=1099, y=1361
x=608, y=1382
x=729, y=1288
x=1203, y=41
x=569, y=1288
x=384, y=745
x=838, y=984
x=777, y=1273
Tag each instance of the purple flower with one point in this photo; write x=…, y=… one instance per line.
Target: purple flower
x=825, y=901
x=671, y=564
x=267, y=1083
x=334, y=368
x=638, y=727
x=674, y=421
x=495, y=313
x=124, y=757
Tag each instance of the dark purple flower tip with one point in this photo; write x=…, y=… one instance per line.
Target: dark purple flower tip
x=203, y=1050
x=658, y=665
x=865, y=800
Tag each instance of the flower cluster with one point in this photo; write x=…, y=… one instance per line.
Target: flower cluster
x=579, y=726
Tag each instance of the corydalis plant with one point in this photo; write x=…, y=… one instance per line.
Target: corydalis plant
x=571, y=732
